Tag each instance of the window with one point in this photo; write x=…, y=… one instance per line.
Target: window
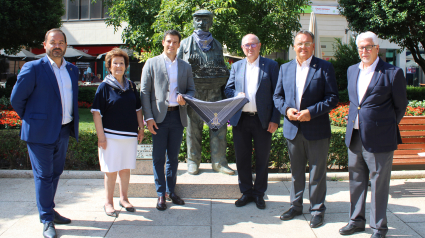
x=84, y=10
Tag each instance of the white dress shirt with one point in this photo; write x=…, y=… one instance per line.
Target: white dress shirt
x=172, y=78
x=301, y=77
x=65, y=89
x=365, y=76
x=251, y=84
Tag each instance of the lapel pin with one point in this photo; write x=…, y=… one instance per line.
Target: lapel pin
x=314, y=65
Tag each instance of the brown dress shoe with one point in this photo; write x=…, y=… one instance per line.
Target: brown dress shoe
x=161, y=203
x=175, y=199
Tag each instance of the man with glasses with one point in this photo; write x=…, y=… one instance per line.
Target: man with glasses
x=256, y=78
x=377, y=93
x=305, y=93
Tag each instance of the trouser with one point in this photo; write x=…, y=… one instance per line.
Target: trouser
x=218, y=143
x=249, y=128
x=363, y=165
x=166, y=148
x=47, y=161
x=315, y=152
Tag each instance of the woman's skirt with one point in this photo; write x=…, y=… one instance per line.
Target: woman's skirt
x=119, y=154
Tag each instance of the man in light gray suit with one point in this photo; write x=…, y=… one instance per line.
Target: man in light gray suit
x=164, y=77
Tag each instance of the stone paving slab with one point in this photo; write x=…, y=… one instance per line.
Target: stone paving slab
x=82, y=200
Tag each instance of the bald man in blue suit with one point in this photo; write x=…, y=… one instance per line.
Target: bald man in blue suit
x=45, y=96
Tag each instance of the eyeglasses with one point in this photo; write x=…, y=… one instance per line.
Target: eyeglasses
x=368, y=48
x=305, y=44
x=247, y=46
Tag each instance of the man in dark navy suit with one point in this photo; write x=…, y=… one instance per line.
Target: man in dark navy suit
x=45, y=96
x=377, y=93
x=305, y=93
x=256, y=78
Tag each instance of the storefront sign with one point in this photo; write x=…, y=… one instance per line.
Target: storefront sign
x=326, y=10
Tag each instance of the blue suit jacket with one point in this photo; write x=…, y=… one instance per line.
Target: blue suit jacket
x=267, y=80
x=36, y=99
x=381, y=109
x=320, y=96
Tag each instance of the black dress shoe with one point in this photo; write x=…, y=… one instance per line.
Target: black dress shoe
x=290, y=214
x=377, y=235
x=350, y=229
x=60, y=219
x=128, y=209
x=242, y=201
x=259, y=201
x=316, y=221
x=49, y=230
x=161, y=203
x=175, y=199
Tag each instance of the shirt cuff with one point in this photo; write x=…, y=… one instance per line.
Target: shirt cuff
x=96, y=110
x=148, y=119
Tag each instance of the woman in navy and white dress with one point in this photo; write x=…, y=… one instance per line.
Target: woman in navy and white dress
x=118, y=119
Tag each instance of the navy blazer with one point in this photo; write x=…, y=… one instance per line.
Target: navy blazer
x=381, y=109
x=267, y=80
x=36, y=98
x=320, y=96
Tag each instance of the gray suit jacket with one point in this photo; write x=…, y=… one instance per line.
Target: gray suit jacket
x=155, y=84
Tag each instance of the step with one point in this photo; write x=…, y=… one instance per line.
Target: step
x=206, y=184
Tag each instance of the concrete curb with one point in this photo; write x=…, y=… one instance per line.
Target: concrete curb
x=334, y=176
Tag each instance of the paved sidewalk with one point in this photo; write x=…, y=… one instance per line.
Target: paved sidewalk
x=82, y=201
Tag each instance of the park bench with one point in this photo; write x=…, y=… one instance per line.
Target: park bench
x=412, y=130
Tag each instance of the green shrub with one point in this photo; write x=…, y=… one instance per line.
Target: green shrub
x=343, y=96
x=415, y=93
x=6, y=92
x=345, y=56
x=86, y=94
x=84, y=154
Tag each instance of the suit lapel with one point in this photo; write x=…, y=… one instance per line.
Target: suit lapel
x=311, y=71
x=293, y=68
x=179, y=73
x=260, y=71
x=164, y=68
x=243, y=72
x=374, y=80
x=353, y=85
x=51, y=75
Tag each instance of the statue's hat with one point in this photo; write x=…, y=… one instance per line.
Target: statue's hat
x=203, y=13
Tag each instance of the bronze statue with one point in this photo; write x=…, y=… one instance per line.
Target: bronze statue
x=205, y=55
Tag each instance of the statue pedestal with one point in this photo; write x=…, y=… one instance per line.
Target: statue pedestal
x=143, y=160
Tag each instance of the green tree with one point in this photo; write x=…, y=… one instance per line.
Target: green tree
x=25, y=22
x=144, y=21
x=398, y=21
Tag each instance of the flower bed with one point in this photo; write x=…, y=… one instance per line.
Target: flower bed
x=10, y=119
x=415, y=108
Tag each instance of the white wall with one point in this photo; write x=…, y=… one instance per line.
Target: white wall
x=91, y=33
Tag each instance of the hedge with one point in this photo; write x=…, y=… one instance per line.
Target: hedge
x=83, y=155
x=415, y=93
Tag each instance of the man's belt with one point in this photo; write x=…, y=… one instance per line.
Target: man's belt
x=173, y=108
x=250, y=113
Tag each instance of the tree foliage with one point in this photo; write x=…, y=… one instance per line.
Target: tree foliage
x=399, y=21
x=25, y=22
x=273, y=21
